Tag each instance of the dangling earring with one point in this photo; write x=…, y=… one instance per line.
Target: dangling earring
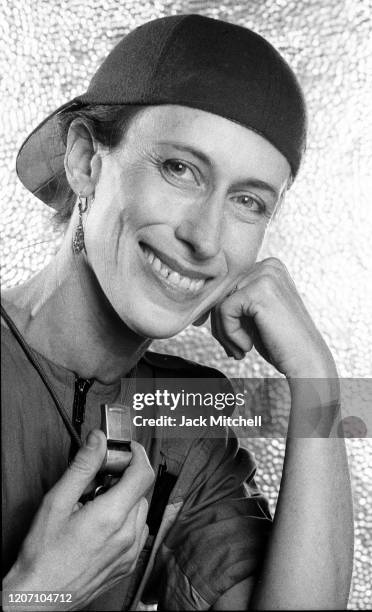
x=78, y=241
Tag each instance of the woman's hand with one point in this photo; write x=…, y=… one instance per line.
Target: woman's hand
x=312, y=536
x=267, y=312
x=85, y=550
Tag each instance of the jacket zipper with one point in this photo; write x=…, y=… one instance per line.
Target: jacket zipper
x=82, y=386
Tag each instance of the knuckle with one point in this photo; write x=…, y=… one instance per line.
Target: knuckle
x=276, y=268
x=104, y=528
x=115, y=521
x=274, y=262
x=48, y=500
x=110, y=523
x=267, y=283
x=128, y=539
x=51, y=502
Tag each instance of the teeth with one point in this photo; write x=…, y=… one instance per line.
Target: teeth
x=156, y=264
x=164, y=270
x=196, y=284
x=150, y=256
x=184, y=282
x=174, y=278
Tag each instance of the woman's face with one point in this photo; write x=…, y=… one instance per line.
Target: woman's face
x=179, y=215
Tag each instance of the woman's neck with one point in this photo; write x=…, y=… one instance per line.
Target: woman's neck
x=64, y=315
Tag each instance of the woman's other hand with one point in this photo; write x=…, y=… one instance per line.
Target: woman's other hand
x=85, y=550
x=266, y=311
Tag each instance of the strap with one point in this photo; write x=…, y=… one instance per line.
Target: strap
x=38, y=367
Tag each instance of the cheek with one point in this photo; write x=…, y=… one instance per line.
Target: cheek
x=243, y=242
x=142, y=198
x=117, y=211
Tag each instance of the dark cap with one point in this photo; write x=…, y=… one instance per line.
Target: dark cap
x=190, y=60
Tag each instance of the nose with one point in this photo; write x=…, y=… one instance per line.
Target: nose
x=201, y=229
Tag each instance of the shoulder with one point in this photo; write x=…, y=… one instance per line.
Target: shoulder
x=18, y=379
x=11, y=352
x=18, y=375
x=171, y=365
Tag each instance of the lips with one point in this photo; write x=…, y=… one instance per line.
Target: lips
x=174, y=278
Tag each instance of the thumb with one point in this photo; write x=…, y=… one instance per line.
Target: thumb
x=81, y=471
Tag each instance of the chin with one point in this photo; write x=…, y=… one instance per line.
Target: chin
x=156, y=328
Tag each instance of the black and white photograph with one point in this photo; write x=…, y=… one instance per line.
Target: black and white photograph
x=186, y=305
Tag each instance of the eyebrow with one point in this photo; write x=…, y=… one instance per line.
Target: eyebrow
x=262, y=185
x=251, y=182
x=204, y=158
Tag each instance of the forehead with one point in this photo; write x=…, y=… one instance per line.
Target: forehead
x=227, y=144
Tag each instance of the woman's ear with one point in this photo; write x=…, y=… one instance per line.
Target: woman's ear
x=82, y=161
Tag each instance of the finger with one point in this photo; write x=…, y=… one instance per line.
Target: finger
x=129, y=528
x=143, y=508
x=217, y=333
x=129, y=525
x=234, y=321
x=135, y=482
x=202, y=319
x=139, y=528
x=141, y=535
x=143, y=538
x=140, y=542
x=87, y=461
x=236, y=336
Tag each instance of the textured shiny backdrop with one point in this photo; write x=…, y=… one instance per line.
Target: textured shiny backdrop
x=49, y=49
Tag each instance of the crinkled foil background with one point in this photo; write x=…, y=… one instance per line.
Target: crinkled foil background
x=49, y=50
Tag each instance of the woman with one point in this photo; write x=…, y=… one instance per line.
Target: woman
x=168, y=170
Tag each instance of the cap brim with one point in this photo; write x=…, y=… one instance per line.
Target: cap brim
x=40, y=160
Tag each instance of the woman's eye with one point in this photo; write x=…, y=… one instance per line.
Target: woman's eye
x=177, y=169
x=250, y=203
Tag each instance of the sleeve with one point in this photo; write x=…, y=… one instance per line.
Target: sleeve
x=220, y=534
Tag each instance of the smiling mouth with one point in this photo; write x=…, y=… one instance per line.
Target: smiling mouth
x=173, y=278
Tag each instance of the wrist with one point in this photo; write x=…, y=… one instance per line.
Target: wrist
x=315, y=406
x=15, y=582
x=20, y=579
x=320, y=365
x=21, y=593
